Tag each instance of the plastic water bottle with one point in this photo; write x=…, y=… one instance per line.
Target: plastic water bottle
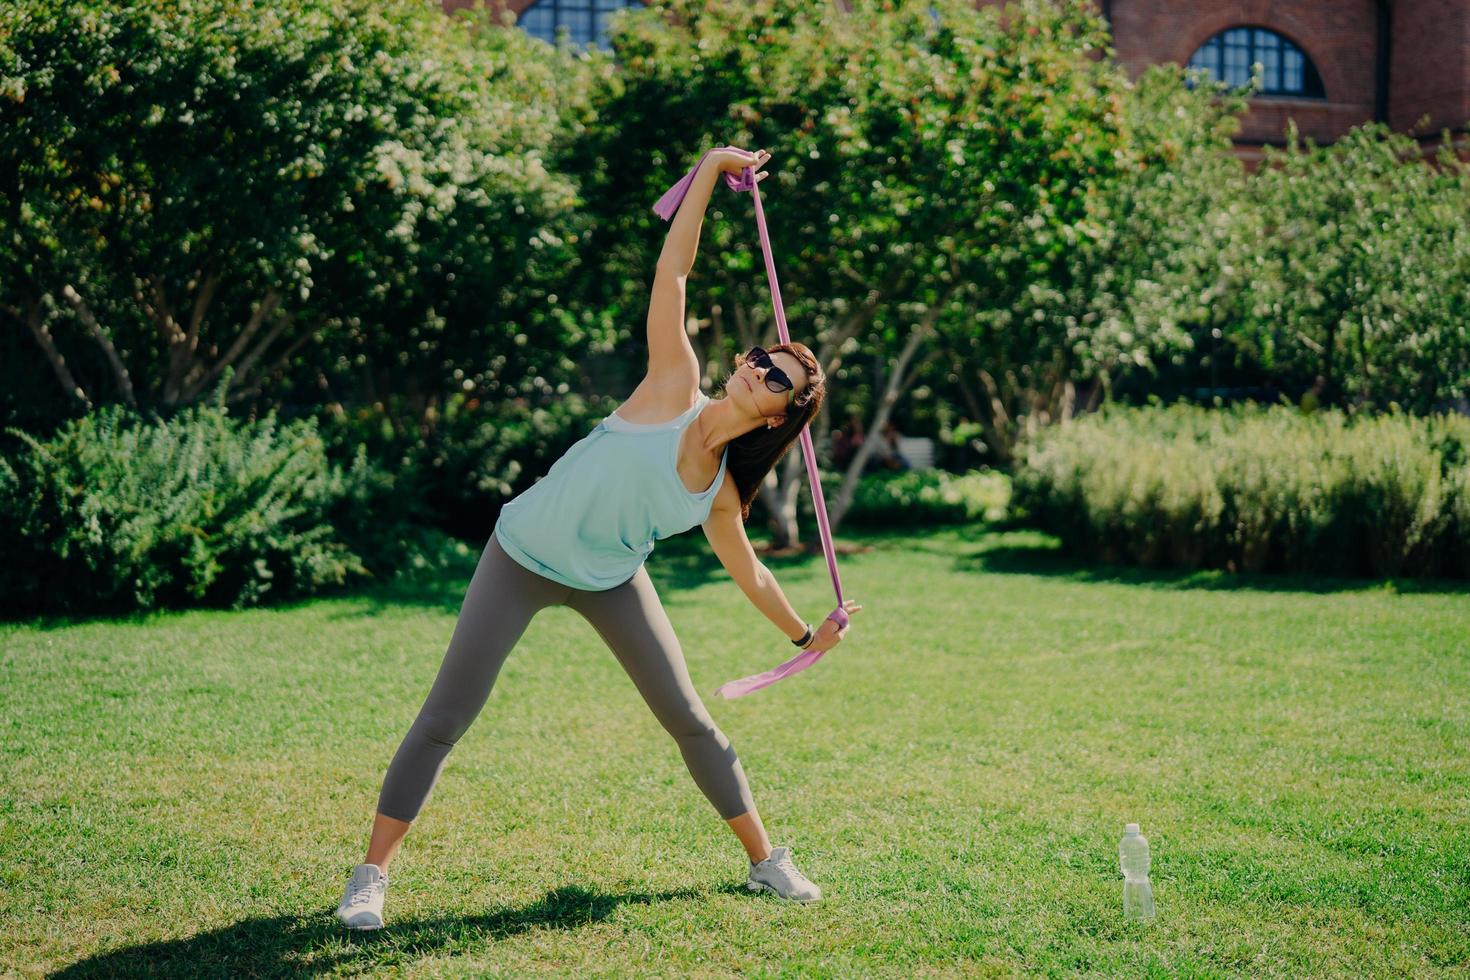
x=1138, y=893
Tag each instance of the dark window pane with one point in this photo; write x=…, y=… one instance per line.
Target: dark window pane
x=1311, y=81
x=1230, y=55
x=1270, y=58
x=539, y=22
x=602, y=33
x=1237, y=65
x=1208, y=58
x=1292, y=70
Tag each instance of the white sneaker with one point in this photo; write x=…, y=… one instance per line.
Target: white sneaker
x=362, y=905
x=778, y=875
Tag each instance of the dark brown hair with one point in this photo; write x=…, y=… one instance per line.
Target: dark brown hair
x=755, y=453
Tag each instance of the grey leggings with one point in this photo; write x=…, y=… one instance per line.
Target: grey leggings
x=502, y=598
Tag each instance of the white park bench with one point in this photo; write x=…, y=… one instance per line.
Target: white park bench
x=918, y=450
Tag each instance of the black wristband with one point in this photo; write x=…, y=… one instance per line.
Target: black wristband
x=806, y=638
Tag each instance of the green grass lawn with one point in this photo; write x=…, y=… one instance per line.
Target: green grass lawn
x=185, y=794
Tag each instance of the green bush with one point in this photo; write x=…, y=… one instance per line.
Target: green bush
x=343, y=193
x=1255, y=489
x=1358, y=253
x=1459, y=533
x=117, y=512
x=921, y=497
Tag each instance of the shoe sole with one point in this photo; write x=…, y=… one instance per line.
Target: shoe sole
x=361, y=928
x=757, y=886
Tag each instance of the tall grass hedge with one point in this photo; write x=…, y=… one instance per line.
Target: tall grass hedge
x=1255, y=490
x=119, y=512
x=918, y=498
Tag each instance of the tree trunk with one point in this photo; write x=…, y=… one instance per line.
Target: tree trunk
x=713, y=368
x=1094, y=395
x=119, y=370
x=242, y=372
x=158, y=311
x=40, y=329
x=972, y=402
x=266, y=307
x=998, y=422
x=780, y=495
x=255, y=386
x=692, y=327
x=897, y=384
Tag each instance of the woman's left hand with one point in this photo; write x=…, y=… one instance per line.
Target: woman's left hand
x=733, y=160
x=829, y=634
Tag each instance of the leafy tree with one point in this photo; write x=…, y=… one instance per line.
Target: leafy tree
x=1362, y=266
x=351, y=191
x=930, y=163
x=1169, y=274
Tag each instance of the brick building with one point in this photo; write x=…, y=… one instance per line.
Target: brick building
x=1329, y=64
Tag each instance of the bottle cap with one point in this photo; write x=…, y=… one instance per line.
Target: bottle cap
x=1132, y=828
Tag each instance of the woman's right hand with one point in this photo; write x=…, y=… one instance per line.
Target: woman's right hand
x=733, y=159
x=829, y=634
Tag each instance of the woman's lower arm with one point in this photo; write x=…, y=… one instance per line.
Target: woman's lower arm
x=683, y=237
x=771, y=601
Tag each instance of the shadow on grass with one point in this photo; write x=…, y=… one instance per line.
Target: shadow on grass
x=1029, y=552
x=681, y=562
x=286, y=945
x=677, y=563
x=686, y=561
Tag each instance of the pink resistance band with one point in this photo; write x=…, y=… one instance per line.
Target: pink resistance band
x=666, y=208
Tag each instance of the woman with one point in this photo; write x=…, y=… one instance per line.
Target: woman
x=668, y=458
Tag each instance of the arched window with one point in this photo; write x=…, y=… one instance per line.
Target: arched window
x=1287, y=71
x=585, y=20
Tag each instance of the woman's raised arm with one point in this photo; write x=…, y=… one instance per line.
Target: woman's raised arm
x=683, y=238
x=669, y=350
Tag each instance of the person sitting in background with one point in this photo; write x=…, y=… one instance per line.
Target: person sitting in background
x=846, y=441
x=891, y=457
x=1312, y=399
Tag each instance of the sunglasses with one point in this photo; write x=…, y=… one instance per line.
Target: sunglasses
x=776, y=379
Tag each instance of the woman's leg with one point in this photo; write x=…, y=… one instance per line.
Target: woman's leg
x=752, y=834
x=499, y=604
x=631, y=620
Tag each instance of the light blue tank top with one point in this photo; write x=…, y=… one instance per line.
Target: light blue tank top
x=591, y=521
